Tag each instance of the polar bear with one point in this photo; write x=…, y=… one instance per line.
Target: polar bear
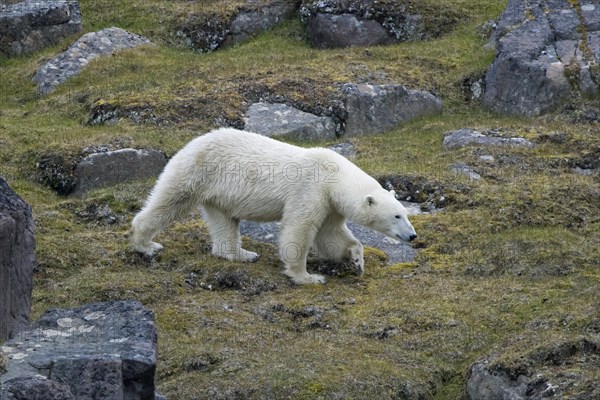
x=235, y=175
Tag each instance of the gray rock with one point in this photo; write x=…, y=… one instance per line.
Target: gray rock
x=462, y=169
x=276, y=119
x=345, y=30
x=397, y=251
x=35, y=388
x=251, y=19
x=263, y=16
x=542, y=57
x=378, y=108
x=17, y=261
x=96, y=351
x=90, y=46
x=334, y=24
x=345, y=149
x=31, y=25
x=104, y=169
x=485, y=385
x=469, y=137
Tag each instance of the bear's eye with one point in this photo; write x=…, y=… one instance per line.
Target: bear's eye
x=397, y=217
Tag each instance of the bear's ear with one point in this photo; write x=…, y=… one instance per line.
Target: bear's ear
x=370, y=200
x=393, y=192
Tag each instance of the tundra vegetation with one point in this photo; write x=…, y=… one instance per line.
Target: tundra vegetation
x=508, y=271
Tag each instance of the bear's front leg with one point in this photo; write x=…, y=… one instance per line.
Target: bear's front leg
x=357, y=257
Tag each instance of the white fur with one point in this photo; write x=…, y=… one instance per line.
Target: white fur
x=235, y=175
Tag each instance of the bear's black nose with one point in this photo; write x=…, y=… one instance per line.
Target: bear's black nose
x=412, y=237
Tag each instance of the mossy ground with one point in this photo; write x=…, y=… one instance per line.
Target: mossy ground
x=510, y=265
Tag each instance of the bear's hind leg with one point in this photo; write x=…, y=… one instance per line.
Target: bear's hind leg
x=225, y=236
x=160, y=211
x=297, y=233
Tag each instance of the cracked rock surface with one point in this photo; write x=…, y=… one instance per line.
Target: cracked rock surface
x=90, y=46
x=31, y=25
x=546, y=50
x=96, y=351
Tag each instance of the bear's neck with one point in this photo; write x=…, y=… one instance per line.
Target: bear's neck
x=349, y=200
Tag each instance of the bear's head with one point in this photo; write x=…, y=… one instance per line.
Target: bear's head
x=387, y=215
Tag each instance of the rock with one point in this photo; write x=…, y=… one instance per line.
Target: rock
x=543, y=372
x=485, y=385
x=378, y=108
x=345, y=149
x=333, y=24
x=276, y=119
x=31, y=25
x=208, y=33
x=112, y=167
x=397, y=251
x=90, y=46
x=345, y=30
x=469, y=137
x=35, y=388
x=462, y=169
x=259, y=17
x=96, y=351
x=17, y=261
x=545, y=51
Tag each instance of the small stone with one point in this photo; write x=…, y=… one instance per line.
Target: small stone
x=345, y=149
x=464, y=170
x=469, y=137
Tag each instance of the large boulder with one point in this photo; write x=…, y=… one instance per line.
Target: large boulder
x=31, y=25
x=17, y=261
x=96, y=351
x=90, y=46
x=546, y=50
x=99, y=170
x=378, y=108
x=276, y=119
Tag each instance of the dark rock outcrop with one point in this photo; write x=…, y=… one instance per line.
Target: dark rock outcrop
x=378, y=108
x=97, y=167
x=112, y=167
x=31, y=25
x=470, y=137
x=91, y=45
x=484, y=384
x=259, y=17
x=564, y=369
x=345, y=23
x=276, y=119
x=345, y=30
x=17, y=261
x=97, y=351
x=208, y=33
x=546, y=50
